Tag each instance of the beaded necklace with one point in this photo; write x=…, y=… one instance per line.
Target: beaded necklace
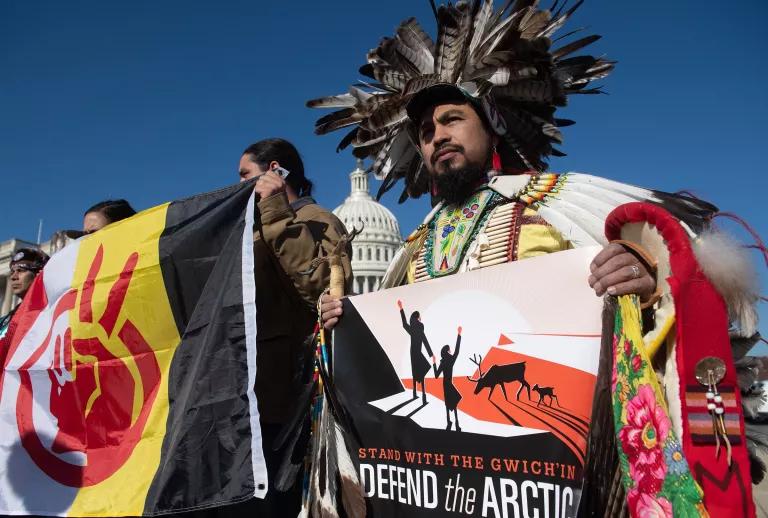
x=453, y=228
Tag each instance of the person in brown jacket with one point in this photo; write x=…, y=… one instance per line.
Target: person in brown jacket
x=291, y=231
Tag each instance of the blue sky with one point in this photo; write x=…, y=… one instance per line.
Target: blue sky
x=154, y=101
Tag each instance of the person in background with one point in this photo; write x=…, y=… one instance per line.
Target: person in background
x=25, y=265
x=95, y=218
x=104, y=213
x=291, y=231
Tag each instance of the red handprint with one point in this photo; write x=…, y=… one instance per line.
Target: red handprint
x=93, y=392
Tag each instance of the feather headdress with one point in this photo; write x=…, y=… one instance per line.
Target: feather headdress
x=502, y=59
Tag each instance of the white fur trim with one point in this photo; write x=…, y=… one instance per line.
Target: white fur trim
x=730, y=269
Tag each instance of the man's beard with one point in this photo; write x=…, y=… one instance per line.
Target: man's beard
x=456, y=185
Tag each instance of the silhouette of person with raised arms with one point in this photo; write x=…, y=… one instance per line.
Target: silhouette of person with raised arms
x=450, y=394
x=419, y=365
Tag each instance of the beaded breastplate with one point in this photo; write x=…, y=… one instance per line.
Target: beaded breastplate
x=453, y=229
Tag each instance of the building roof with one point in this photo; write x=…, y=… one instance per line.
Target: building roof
x=361, y=210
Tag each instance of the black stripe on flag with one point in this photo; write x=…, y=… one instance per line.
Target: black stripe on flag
x=211, y=453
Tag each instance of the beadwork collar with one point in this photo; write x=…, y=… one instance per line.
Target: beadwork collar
x=453, y=228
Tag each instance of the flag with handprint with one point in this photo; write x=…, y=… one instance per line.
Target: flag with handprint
x=127, y=374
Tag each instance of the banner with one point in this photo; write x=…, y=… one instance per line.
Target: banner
x=471, y=395
x=127, y=373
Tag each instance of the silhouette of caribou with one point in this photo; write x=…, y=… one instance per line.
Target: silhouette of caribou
x=544, y=392
x=499, y=375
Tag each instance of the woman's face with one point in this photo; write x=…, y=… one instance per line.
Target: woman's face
x=94, y=221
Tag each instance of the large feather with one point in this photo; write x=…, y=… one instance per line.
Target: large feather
x=528, y=90
x=367, y=139
x=503, y=60
x=400, y=149
x=574, y=46
x=352, y=496
x=389, y=113
x=495, y=35
x=600, y=208
x=594, y=192
x=419, y=44
x=558, y=20
x=322, y=485
x=576, y=224
x=533, y=22
x=454, y=30
x=338, y=120
x=694, y=213
x=333, y=101
x=757, y=445
x=348, y=139
x=637, y=193
x=480, y=25
x=391, y=77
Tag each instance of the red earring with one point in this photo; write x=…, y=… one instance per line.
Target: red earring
x=496, y=160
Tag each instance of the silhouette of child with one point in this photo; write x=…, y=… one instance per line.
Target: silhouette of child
x=450, y=394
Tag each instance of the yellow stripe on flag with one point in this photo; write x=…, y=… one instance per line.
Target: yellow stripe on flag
x=123, y=340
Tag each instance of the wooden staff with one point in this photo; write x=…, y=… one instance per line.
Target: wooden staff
x=334, y=260
x=336, y=287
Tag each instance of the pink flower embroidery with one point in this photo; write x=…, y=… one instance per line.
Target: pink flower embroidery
x=627, y=348
x=641, y=439
x=647, y=506
x=636, y=362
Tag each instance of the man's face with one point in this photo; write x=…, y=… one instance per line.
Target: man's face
x=94, y=221
x=21, y=278
x=452, y=137
x=249, y=169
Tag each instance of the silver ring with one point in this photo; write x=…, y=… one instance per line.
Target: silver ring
x=635, y=271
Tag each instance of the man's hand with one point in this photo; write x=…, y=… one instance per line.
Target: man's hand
x=617, y=272
x=400, y=304
x=330, y=311
x=268, y=184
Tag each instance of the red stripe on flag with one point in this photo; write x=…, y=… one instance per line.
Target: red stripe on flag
x=149, y=371
x=117, y=294
x=86, y=309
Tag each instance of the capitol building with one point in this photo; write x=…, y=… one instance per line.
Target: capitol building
x=374, y=248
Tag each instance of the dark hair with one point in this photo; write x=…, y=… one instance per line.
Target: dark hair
x=113, y=210
x=510, y=159
x=280, y=150
x=36, y=258
x=414, y=320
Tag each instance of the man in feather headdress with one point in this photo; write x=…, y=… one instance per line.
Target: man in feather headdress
x=470, y=119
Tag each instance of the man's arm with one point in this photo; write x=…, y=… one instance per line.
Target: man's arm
x=297, y=239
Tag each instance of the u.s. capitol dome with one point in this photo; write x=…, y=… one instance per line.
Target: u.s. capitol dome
x=374, y=248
